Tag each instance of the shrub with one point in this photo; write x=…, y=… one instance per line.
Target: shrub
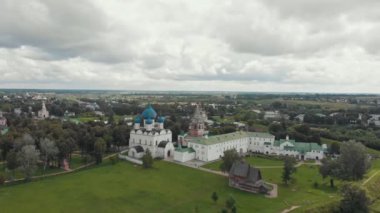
x=2, y=179
x=316, y=184
x=114, y=159
x=86, y=159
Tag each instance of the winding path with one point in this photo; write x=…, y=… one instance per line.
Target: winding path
x=290, y=209
x=368, y=179
x=59, y=173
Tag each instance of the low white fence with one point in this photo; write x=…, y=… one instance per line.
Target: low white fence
x=125, y=157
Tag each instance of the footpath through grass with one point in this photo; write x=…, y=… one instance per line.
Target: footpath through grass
x=166, y=188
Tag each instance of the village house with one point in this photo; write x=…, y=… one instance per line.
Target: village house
x=300, y=118
x=272, y=115
x=374, y=120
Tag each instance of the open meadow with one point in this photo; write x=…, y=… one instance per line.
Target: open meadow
x=165, y=188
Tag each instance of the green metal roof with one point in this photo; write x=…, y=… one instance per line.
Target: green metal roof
x=185, y=150
x=301, y=147
x=229, y=137
x=4, y=131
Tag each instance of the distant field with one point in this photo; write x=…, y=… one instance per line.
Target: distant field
x=226, y=119
x=260, y=128
x=325, y=105
x=87, y=119
x=166, y=188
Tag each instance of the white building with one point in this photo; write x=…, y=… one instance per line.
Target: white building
x=212, y=148
x=374, y=119
x=149, y=133
x=272, y=115
x=43, y=113
x=17, y=111
x=204, y=148
x=300, y=118
x=3, y=121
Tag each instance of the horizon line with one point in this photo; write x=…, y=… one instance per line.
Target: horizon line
x=190, y=91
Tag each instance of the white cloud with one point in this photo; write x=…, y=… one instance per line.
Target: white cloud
x=262, y=45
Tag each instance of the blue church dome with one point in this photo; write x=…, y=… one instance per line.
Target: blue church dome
x=149, y=121
x=149, y=112
x=138, y=120
x=161, y=119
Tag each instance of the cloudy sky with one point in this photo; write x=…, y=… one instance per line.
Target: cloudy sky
x=237, y=45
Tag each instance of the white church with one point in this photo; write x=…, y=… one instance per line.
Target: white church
x=149, y=133
x=197, y=145
x=43, y=113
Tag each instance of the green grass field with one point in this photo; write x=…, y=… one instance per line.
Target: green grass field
x=255, y=161
x=166, y=188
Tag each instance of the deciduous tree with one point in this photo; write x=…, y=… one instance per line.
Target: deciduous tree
x=230, y=156
x=12, y=163
x=100, y=147
x=329, y=168
x=27, y=158
x=49, y=151
x=289, y=169
x=147, y=159
x=353, y=161
x=354, y=200
x=214, y=197
x=230, y=202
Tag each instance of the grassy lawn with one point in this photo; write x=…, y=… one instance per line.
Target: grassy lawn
x=255, y=161
x=166, y=188
x=260, y=128
x=226, y=119
x=87, y=119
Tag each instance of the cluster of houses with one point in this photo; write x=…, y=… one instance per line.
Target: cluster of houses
x=41, y=114
x=374, y=119
x=368, y=119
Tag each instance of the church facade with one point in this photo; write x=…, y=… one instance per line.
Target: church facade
x=43, y=113
x=3, y=121
x=149, y=133
x=197, y=145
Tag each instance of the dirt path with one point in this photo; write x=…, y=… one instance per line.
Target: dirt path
x=60, y=173
x=372, y=176
x=290, y=209
x=274, y=192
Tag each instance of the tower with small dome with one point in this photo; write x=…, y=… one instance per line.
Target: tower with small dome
x=3, y=121
x=197, y=126
x=149, y=133
x=43, y=113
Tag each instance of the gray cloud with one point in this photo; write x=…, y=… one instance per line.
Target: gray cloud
x=230, y=45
